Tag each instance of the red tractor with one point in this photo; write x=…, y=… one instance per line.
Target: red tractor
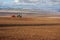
x=13, y=16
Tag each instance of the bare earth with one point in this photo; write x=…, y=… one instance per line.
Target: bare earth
x=45, y=32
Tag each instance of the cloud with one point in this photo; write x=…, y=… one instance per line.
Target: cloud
x=1, y=3
x=27, y=1
x=33, y=0
x=17, y=1
x=55, y=2
x=43, y=4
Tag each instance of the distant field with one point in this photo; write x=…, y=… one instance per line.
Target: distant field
x=40, y=20
x=48, y=32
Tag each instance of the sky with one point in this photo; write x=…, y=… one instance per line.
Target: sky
x=31, y=4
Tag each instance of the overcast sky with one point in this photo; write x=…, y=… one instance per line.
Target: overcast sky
x=42, y=4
